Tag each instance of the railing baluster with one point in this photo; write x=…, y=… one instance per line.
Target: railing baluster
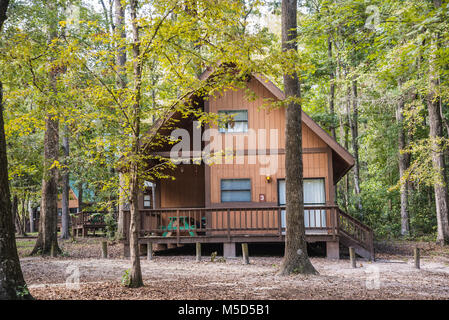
x=229, y=224
x=280, y=222
x=177, y=228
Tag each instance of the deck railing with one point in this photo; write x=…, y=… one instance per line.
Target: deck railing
x=88, y=218
x=320, y=219
x=325, y=220
x=356, y=230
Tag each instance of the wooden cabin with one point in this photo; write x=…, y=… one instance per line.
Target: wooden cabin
x=240, y=197
x=73, y=202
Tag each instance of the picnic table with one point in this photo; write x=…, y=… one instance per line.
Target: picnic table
x=185, y=224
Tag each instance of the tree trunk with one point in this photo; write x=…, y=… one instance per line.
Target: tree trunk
x=48, y=235
x=80, y=196
x=345, y=142
x=12, y=283
x=332, y=86
x=353, y=122
x=436, y=133
x=295, y=259
x=65, y=216
x=404, y=160
x=16, y=215
x=121, y=84
x=136, y=273
x=31, y=215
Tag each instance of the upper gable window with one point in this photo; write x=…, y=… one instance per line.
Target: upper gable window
x=239, y=122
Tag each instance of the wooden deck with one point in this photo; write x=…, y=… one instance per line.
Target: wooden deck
x=84, y=222
x=235, y=225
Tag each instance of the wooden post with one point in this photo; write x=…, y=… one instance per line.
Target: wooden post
x=352, y=257
x=280, y=222
x=417, y=258
x=198, y=251
x=178, y=226
x=229, y=224
x=52, y=250
x=104, y=249
x=150, y=251
x=245, y=253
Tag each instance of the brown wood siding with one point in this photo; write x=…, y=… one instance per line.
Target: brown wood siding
x=73, y=200
x=201, y=185
x=315, y=160
x=315, y=164
x=186, y=191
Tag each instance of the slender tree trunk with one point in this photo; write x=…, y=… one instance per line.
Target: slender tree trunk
x=355, y=144
x=344, y=141
x=347, y=128
x=48, y=233
x=65, y=216
x=11, y=278
x=80, y=196
x=136, y=273
x=331, y=86
x=436, y=133
x=16, y=215
x=295, y=259
x=403, y=166
x=31, y=215
x=121, y=84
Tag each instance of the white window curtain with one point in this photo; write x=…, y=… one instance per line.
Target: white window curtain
x=314, y=194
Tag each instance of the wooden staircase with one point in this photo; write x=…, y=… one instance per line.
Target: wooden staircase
x=353, y=233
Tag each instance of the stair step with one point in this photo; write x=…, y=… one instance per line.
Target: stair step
x=361, y=251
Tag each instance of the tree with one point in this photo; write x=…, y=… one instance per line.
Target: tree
x=47, y=239
x=296, y=259
x=119, y=28
x=12, y=283
x=136, y=274
x=65, y=215
x=404, y=161
x=436, y=134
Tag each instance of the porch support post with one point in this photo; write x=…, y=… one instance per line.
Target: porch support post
x=245, y=254
x=229, y=250
x=126, y=252
x=332, y=250
x=149, y=251
x=198, y=251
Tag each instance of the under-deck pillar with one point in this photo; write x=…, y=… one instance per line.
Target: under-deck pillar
x=126, y=250
x=149, y=251
x=332, y=250
x=229, y=250
x=198, y=251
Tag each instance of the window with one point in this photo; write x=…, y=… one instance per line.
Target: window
x=235, y=190
x=314, y=194
x=147, y=199
x=239, y=122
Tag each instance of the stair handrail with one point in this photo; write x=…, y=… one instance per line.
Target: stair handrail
x=368, y=241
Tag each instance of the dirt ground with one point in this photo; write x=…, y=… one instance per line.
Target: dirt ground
x=392, y=276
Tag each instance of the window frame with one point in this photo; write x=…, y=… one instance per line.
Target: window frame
x=224, y=130
x=308, y=204
x=237, y=190
x=147, y=192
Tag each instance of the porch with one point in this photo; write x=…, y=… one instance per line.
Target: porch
x=83, y=222
x=323, y=223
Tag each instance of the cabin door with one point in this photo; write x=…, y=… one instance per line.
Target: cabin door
x=314, y=194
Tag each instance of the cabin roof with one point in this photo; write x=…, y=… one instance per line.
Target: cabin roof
x=343, y=160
